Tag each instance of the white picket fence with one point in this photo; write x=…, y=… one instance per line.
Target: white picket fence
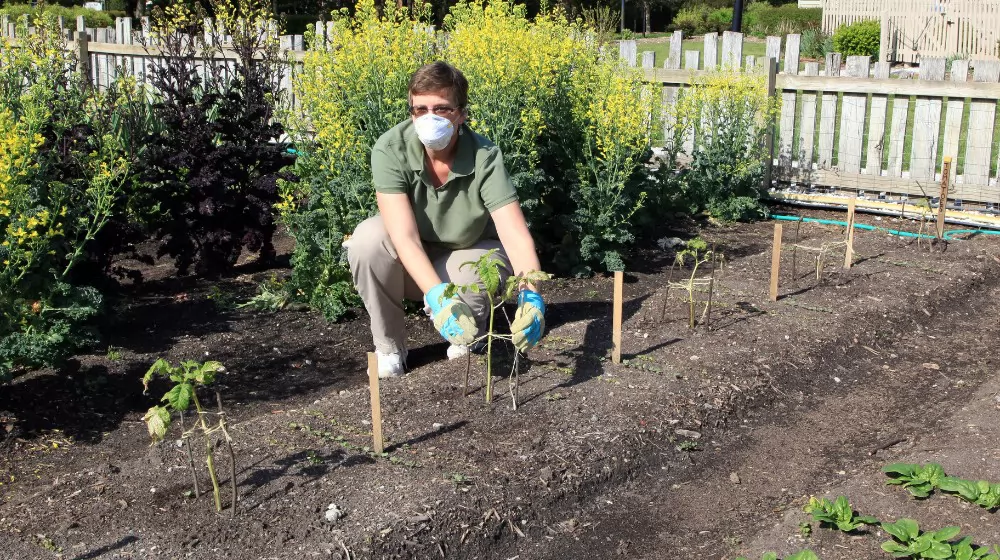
x=855, y=127
x=912, y=29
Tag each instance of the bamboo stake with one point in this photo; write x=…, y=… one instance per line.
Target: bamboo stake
x=795, y=247
x=616, y=325
x=232, y=455
x=849, y=252
x=775, y=261
x=943, y=201
x=377, y=444
x=187, y=444
x=468, y=369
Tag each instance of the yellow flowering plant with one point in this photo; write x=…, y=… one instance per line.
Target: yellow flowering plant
x=58, y=184
x=726, y=115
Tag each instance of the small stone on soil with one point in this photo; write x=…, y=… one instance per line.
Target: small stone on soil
x=734, y=478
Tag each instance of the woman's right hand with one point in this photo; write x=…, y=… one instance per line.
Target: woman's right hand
x=452, y=317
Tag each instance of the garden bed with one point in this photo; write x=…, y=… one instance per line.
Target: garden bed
x=562, y=475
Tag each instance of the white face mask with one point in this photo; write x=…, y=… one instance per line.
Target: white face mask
x=434, y=132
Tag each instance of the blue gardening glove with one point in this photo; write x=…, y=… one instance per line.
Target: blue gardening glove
x=452, y=317
x=529, y=320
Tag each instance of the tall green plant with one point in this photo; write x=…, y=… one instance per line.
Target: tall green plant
x=58, y=183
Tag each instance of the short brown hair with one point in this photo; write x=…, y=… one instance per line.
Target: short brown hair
x=440, y=76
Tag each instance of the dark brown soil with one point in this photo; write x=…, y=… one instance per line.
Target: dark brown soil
x=786, y=399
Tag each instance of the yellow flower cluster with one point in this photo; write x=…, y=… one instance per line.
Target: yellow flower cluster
x=17, y=150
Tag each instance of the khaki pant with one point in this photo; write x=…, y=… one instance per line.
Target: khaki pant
x=383, y=282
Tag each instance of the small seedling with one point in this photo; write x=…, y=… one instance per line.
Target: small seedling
x=272, y=295
x=552, y=397
x=187, y=378
x=805, y=529
x=113, y=354
x=488, y=268
x=698, y=252
x=223, y=300
x=922, y=480
x=688, y=446
x=838, y=513
x=919, y=480
x=313, y=458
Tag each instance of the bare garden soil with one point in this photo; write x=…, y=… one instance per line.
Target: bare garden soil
x=701, y=444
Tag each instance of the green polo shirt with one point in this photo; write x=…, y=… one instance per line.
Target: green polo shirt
x=457, y=215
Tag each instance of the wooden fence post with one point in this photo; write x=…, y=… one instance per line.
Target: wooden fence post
x=711, y=50
x=772, y=86
x=616, y=318
x=4, y=23
x=83, y=55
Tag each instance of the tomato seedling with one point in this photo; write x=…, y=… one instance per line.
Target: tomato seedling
x=489, y=269
x=187, y=378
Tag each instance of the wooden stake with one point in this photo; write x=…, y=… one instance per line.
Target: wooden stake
x=666, y=293
x=232, y=455
x=943, y=201
x=377, y=444
x=849, y=252
x=775, y=261
x=616, y=325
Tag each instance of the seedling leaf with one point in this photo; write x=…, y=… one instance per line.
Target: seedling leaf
x=157, y=419
x=179, y=397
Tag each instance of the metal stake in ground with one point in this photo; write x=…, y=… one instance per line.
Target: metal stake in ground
x=943, y=201
x=377, y=443
x=775, y=261
x=616, y=323
x=849, y=252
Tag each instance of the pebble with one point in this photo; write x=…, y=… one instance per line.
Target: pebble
x=688, y=433
x=437, y=425
x=333, y=513
x=734, y=478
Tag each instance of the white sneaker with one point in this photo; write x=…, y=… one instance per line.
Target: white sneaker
x=391, y=365
x=456, y=351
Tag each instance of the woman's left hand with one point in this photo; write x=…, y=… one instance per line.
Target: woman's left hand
x=529, y=320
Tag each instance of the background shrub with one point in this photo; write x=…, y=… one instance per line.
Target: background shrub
x=93, y=18
x=761, y=19
x=858, y=39
x=692, y=20
x=720, y=20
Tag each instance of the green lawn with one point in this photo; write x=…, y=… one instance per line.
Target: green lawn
x=662, y=50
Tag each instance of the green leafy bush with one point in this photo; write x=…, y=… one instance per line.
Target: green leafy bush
x=761, y=20
x=720, y=20
x=92, y=18
x=692, y=20
x=729, y=114
x=858, y=39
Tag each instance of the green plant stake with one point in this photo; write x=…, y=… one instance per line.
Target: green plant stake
x=187, y=377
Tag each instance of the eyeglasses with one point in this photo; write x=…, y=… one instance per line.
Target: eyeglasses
x=439, y=110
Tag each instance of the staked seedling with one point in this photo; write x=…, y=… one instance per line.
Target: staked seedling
x=489, y=269
x=187, y=378
x=698, y=252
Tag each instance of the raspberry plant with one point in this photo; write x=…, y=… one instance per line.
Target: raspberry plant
x=187, y=378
